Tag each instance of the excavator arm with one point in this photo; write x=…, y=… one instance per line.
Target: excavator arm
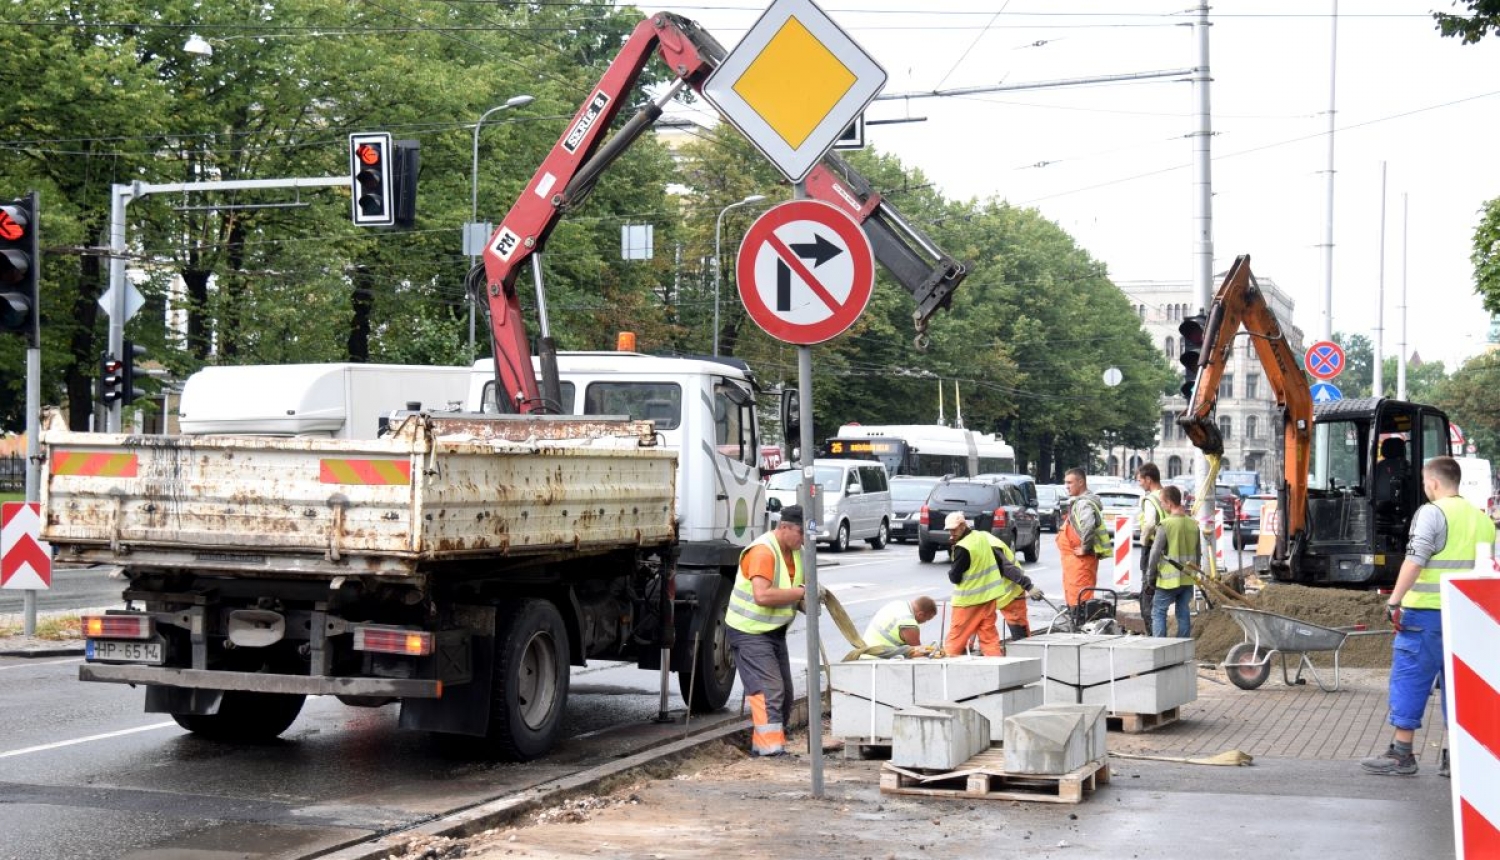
x=1239, y=302
x=582, y=154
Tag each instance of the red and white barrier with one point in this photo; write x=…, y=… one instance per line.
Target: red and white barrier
x=1218, y=539
x=1124, y=568
x=1471, y=627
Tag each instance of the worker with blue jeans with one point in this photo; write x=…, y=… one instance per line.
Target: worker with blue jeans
x=1444, y=538
x=1175, y=547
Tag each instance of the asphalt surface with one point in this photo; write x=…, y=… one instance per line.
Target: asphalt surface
x=85, y=774
x=72, y=588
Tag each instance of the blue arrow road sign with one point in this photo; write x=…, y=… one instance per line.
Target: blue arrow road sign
x=1326, y=392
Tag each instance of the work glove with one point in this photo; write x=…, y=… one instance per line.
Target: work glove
x=1035, y=593
x=1393, y=615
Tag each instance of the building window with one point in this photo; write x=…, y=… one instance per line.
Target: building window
x=1166, y=426
x=1252, y=427
x=1174, y=466
x=1226, y=386
x=1141, y=310
x=1252, y=386
x=1226, y=429
x=1171, y=347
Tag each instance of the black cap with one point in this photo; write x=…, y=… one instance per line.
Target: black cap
x=791, y=515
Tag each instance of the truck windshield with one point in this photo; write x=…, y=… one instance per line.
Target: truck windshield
x=660, y=402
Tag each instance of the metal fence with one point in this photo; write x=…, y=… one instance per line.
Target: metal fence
x=12, y=473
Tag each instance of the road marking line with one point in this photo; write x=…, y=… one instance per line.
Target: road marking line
x=84, y=740
x=43, y=663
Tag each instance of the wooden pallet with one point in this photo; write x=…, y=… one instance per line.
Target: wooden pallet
x=1134, y=724
x=983, y=777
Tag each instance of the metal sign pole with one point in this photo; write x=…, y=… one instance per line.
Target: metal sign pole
x=810, y=560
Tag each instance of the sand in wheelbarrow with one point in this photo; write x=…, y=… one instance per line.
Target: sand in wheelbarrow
x=1216, y=632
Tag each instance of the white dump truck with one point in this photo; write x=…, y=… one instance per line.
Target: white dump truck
x=458, y=565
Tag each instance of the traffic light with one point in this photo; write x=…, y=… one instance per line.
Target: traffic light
x=372, y=192
x=20, y=268
x=111, y=380
x=408, y=165
x=128, y=392
x=1193, y=330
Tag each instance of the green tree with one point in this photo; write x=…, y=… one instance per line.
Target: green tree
x=1483, y=16
x=1486, y=256
x=1468, y=396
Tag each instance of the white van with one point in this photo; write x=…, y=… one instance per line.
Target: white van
x=856, y=501
x=1475, y=482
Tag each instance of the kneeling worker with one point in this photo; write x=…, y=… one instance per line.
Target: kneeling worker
x=980, y=582
x=898, y=624
x=761, y=607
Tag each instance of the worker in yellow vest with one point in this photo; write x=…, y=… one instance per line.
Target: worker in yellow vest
x=1082, y=537
x=1017, y=585
x=761, y=608
x=898, y=624
x=978, y=586
x=1444, y=538
x=1148, y=476
x=1175, y=547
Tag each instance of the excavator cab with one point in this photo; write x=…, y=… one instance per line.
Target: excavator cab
x=1364, y=485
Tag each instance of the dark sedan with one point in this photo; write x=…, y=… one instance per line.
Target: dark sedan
x=907, y=496
x=1247, y=527
x=1049, y=505
x=998, y=507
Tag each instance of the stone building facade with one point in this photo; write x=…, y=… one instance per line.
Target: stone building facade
x=1246, y=412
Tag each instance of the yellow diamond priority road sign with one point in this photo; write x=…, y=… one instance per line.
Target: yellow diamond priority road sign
x=793, y=84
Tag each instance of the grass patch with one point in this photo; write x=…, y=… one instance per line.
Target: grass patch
x=55, y=628
x=12, y=497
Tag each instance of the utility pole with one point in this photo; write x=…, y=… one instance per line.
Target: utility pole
x=1203, y=188
x=1325, y=331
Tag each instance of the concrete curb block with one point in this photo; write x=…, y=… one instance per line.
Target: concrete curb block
x=69, y=651
x=503, y=810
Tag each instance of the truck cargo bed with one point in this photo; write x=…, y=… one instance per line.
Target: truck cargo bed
x=436, y=489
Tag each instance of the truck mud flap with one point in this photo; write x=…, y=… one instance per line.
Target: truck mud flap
x=464, y=709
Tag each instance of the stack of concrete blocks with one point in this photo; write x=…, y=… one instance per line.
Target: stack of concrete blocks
x=938, y=736
x=1126, y=674
x=867, y=693
x=1054, y=739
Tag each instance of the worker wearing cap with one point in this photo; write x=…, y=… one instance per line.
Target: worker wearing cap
x=1082, y=540
x=899, y=623
x=1445, y=535
x=761, y=608
x=1152, y=513
x=978, y=586
x=1175, y=548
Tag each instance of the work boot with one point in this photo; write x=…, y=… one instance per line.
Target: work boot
x=1390, y=763
x=1443, y=765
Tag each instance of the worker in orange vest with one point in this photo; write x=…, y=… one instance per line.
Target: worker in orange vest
x=1082, y=539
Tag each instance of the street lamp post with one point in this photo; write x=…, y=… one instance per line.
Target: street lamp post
x=516, y=101
x=718, y=239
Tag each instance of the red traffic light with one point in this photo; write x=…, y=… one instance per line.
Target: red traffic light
x=12, y=223
x=368, y=154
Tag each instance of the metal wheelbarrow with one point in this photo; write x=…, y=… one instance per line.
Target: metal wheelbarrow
x=1268, y=634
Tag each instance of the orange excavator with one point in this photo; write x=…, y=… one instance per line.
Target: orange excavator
x=1351, y=477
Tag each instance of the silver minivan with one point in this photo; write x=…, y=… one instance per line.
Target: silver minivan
x=856, y=501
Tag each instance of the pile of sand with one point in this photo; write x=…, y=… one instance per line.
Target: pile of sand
x=1216, y=632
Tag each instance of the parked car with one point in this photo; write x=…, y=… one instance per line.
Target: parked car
x=1025, y=482
x=1050, y=502
x=1247, y=530
x=996, y=506
x=908, y=494
x=1228, y=498
x=1120, y=501
x=856, y=501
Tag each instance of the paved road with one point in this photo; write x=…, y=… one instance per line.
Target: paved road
x=72, y=588
x=85, y=774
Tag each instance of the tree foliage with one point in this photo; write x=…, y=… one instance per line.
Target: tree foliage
x=1468, y=396
x=1482, y=17
x=1486, y=256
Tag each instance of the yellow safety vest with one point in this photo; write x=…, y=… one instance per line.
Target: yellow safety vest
x=1467, y=528
x=981, y=582
x=1101, y=546
x=1009, y=590
x=1182, y=547
x=747, y=616
x=885, y=627
x=1153, y=499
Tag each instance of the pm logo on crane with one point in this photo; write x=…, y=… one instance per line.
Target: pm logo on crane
x=580, y=129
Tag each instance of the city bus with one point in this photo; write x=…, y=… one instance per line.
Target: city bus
x=930, y=450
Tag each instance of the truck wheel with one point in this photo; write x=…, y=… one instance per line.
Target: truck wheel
x=1239, y=665
x=927, y=552
x=707, y=686
x=841, y=538
x=245, y=717
x=881, y=537
x=529, y=688
x=1033, y=552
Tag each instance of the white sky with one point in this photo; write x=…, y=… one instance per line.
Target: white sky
x=1118, y=173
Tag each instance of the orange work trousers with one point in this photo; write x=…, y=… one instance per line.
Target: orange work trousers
x=971, y=621
x=1016, y=619
x=1078, y=571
